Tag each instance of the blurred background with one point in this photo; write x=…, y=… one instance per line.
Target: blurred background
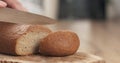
x=74, y=9
x=95, y=21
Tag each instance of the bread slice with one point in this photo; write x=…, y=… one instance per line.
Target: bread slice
x=21, y=39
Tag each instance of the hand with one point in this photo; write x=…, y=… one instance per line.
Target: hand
x=2, y=4
x=15, y=4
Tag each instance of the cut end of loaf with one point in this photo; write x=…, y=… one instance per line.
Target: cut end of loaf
x=29, y=43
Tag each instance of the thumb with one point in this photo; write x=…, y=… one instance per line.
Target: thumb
x=15, y=4
x=2, y=4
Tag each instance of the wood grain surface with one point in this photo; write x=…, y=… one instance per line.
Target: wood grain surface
x=79, y=57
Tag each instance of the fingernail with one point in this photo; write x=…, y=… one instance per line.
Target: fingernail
x=3, y=4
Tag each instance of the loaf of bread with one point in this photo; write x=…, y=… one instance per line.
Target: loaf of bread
x=60, y=43
x=19, y=39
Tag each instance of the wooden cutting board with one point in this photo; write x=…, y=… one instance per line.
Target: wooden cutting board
x=79, y=57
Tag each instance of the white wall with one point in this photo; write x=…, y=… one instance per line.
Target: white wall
x=51, y=8
x=32, y=6
x=42, y=7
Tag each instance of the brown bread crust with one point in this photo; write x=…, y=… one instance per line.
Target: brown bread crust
x=10, y=32
x=60, y=43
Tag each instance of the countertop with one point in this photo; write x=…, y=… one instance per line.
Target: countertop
x=98, y=38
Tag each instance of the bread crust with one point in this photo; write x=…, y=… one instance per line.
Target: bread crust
x=60, y=43
x=10, y=32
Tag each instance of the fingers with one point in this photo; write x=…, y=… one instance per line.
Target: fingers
x=2, y=4
x=15, y=4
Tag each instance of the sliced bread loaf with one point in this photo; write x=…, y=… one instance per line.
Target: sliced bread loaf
x=19, y=39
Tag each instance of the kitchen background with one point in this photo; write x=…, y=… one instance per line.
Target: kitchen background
x=74, y=9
